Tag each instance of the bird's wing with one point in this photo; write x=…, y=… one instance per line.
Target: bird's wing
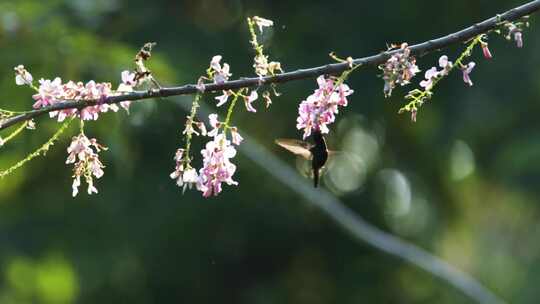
x=298, y=147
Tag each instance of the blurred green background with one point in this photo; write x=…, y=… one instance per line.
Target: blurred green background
x=461, y=182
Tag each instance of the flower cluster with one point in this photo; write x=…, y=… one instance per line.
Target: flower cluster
x=418, y=97
x=264, y=68
x=190, y=130
x=217, y=167
x=432, y=74
x=218, y=74
x=183, y=173
x=399, y=69
x=54, y=91
x=260, y=62
x=319, y=109
x=86, y=162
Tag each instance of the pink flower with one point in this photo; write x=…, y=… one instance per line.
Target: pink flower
x=515, y=31
x=414, y=112
x=128, y=78
x=248, y=100
x=236, y=137
x=190, y=177
x=430, y=75
x=178, y=157
x=127, y=85
x=222, y=99
x=48, y=92
x=52, y=92
x=217, y=168
x=22, y=76
x=86, y=162
x=343, y=91
x=319, y=109
x=219, y=74
x=185, y=175
x=201, y=87
x=466, y=71
x=400, y=68
x=485, y=50
x=189, y=129
x=445, y=64
x=214, y=123
x=201, y=127
x=518, y=37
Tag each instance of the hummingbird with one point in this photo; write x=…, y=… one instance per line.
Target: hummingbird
x=316, y=152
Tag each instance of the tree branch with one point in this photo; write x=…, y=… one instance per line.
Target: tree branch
x=336, y=68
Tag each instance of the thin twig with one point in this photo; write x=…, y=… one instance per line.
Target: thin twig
x=336, y=68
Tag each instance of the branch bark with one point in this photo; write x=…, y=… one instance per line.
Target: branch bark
x=336, y=68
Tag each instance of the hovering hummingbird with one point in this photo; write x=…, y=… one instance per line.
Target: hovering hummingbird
x=316, y=152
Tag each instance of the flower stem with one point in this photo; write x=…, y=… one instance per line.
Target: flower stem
x=190, y=119
x=41, y=150
x=231, y=107
x=15, y=133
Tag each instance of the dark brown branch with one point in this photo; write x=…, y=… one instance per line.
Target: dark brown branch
x=336, y=68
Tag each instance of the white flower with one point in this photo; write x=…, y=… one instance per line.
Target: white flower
x=262, y=22
x=466, y=71
x=22, y=77
x=221, y=74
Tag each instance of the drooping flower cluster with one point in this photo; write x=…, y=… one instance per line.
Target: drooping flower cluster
x=86, y=162
x=51, y=92
x=217, y=166
x=183, y=173
x=418, y=97
x=318, y=110
x=399, y=69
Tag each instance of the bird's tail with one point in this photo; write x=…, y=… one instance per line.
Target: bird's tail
x=315, y=178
